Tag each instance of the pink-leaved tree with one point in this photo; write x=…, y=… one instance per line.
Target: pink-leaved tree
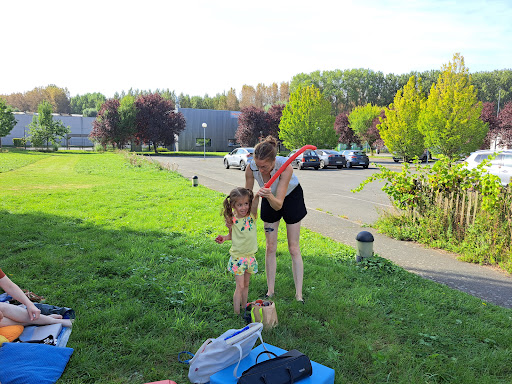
x=157, y=123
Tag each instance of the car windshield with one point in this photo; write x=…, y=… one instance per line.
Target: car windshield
x=358, y=153
x=250, y=150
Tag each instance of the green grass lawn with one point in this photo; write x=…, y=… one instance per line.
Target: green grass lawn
x=131, y=249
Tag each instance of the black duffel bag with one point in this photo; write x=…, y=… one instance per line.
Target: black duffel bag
x=287, y=368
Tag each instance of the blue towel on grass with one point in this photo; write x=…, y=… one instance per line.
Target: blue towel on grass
x=25, y=363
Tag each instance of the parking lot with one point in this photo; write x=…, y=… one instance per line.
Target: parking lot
x=325, y=190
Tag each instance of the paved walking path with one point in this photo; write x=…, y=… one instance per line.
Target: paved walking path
x=489, y=284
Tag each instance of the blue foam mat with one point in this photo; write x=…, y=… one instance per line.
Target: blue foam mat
x=25, y=363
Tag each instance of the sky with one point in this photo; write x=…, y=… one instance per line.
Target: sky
x=199, y=47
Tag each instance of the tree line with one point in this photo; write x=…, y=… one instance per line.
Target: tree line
x=357, y=87
x=449, y=111
x=89, y=104
x=448, y=118
x=344, y=89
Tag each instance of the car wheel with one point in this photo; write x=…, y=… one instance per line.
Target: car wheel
x=349, y=164
x=365, y=166
x=242, y=165
x=396, y=160
x=226, y=164
x=322, y=164
x=317, y=168
x=299, y=165
x=339, y=166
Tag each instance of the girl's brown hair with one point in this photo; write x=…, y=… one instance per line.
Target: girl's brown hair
x=229, y=202
x=267, y=149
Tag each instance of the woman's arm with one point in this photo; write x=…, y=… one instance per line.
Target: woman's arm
x=249, y=178
x=17, y=294
x=276, y=202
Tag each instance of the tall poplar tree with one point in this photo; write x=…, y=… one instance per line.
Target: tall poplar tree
x=450, y=119
x=307, y=119
x=399, y=129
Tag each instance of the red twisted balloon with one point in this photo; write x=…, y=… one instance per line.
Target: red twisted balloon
x=283, y=167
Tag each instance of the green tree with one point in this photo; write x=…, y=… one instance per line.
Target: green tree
x=307, y=119
x=450, y=119
x=220, y=102
x=184, y=101
x=493, y=87
x=7, y=120
x=88, y=101
x=197, y=102
x=127, y=124
x=399, y=129
x=45, y=130
x=362, y=119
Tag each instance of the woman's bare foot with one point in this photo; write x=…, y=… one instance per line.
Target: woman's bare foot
x=67, y=323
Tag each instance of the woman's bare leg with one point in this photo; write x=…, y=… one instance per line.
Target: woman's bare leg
x=14, y=315
x=293, y=234
x=270, y=255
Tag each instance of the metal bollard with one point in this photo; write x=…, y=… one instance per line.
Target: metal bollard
x=195, y=181
x=364, y=241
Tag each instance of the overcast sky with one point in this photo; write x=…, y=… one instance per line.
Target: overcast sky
x=203, y=47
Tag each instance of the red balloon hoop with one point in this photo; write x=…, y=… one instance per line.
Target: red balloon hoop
x=288, y=162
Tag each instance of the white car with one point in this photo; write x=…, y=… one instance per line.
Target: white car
x=238, y=158
x=501, y=165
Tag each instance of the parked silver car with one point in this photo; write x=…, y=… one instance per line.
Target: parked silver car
x=501, y=165
x=331, y=158
x=238, y=158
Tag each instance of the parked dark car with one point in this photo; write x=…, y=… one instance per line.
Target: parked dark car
x=238, y=158
x=422, y=158
x=307, y=159
x=331, y=158
x=356, y=158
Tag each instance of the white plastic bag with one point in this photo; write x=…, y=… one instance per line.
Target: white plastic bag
x=227, y=349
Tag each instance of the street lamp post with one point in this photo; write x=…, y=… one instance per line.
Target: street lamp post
x=204, y=141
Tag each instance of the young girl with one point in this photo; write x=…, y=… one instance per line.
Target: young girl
x=241, y=209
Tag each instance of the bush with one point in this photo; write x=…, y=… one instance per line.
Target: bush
x=90, y=112
x=19, y=142
x=98, y=147
x=450, y=207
